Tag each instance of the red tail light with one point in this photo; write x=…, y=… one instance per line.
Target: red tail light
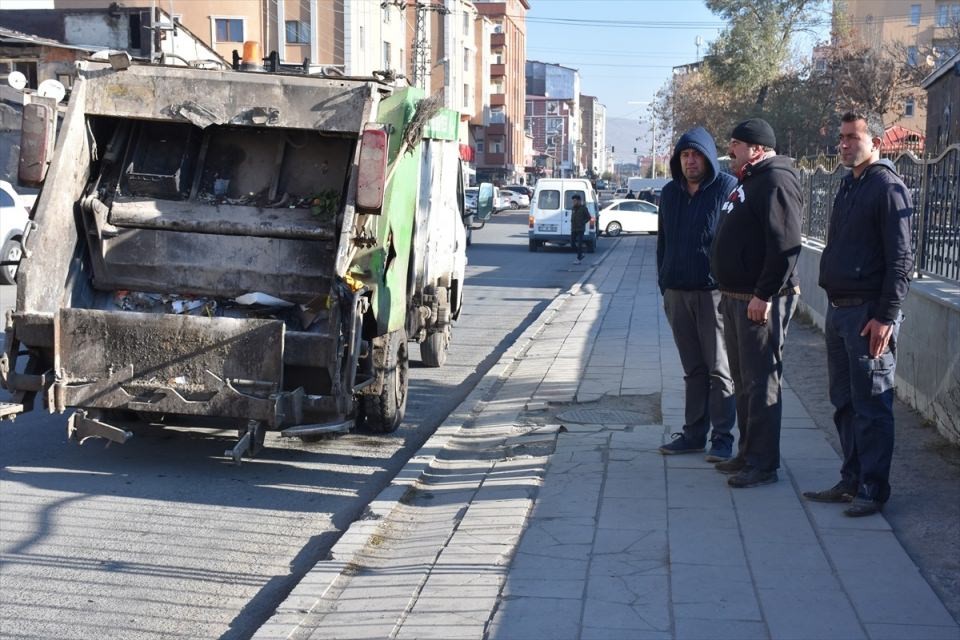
x=372, y=173
x=530, y=221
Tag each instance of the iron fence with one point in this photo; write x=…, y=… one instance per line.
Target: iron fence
x=934, y=185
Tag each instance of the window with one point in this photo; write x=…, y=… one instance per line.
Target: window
x=908, y=107
x=496, y=145
x=361, y=39
x=6, y=200
x=297, y=32
x=28, y=69
x=466, y=96
x=912, y=56
x=466, y=60
x=466, y=23
x=548, y=199
x=497, y=115
x=943, y=15
x=386, y=55
x=229, y=29
x=480, y=146
x=914, y=14
x=386, y=12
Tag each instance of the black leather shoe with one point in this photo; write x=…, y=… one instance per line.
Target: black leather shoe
x=863, y=507
x=733, y=465
x=752, y=477
x=839, y=492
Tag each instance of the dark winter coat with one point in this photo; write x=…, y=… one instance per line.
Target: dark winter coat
x=579, y=217
x=757, y=244
x=868, y=252
x=688, y=223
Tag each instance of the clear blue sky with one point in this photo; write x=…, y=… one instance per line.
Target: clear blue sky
x=625, y=49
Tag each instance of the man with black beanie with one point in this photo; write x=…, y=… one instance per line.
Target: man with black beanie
x=754, y=258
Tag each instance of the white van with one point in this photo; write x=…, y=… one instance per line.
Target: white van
x=550, y=212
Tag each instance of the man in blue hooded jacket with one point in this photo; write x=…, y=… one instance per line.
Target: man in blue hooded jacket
x=690, y=209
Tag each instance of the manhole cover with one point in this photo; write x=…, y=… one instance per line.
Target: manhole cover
x=596, y=415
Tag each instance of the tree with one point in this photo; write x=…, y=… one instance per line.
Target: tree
x=751, y=52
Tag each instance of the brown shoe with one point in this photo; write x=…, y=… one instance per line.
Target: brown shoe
x=733, y=465
x=839, y=492
x=863, y=507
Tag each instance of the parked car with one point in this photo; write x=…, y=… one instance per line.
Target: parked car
x=628, y=215
x=514, y=199
x=470, y=198
x=14, y=215
x=519, y=188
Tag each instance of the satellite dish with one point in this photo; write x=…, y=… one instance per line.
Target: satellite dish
x=17, y=80
x=51, y=89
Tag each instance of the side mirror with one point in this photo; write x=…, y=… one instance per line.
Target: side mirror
x=485, y=201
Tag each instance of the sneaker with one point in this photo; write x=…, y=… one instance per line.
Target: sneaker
x=733, y=465
x=577, y=261
x=752, y=477
x=863, y=507
x=681, y=444
x=839, y=492
x=719, y=451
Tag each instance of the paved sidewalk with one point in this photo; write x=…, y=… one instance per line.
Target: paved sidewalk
x=524, y=518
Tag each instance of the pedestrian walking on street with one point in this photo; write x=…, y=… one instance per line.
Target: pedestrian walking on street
x=865, y=270
x=579, y=216
x=754, y=258
x=690, y=211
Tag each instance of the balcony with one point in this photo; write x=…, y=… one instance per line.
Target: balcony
x=498, y=99
x=494, y=159
x=498, y=39
x=496, y=129
x=498, y=70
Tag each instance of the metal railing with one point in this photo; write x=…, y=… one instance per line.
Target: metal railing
x=934, y=185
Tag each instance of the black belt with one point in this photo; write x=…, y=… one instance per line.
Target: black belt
x=847, y=302
x=747, y=297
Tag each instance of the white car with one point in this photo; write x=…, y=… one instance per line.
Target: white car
x=14, y=215
x=514, y=200
x=628, y=215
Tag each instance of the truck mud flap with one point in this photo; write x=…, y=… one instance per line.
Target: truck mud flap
x=171, y=364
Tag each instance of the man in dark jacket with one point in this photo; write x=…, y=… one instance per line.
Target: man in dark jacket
x=579, y=217
x=865, y=270
x=754, y=256
x=689, y=214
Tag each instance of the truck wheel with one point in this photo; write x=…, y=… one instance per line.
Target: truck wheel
x=433, y=350
x=10, y=253
x=534, y=245
x=384, y=412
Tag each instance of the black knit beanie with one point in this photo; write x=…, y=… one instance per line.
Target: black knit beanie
x=755, y=131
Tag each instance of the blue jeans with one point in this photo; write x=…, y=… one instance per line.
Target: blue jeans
x=861, y=392
x=576, y=241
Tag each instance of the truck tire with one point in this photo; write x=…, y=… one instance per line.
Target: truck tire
x=383, y=413
x=10, y=252
x=433, y=350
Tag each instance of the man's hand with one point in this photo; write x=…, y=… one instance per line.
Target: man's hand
x=758, y=310
x=879, y=334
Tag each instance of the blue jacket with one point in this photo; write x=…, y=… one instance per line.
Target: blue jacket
x=868, y=253
x=688, y=223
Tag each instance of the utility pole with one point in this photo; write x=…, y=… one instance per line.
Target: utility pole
x=421, y=44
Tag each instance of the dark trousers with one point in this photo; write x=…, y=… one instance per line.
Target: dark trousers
x=861, y=392
x=755, y=353
x=698, y=333
x=576, y=241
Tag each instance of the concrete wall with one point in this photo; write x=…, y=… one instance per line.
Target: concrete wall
x=928, y=362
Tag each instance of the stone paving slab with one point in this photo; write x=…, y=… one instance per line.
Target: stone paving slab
x=604, y=537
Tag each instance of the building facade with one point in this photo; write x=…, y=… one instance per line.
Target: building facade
x=943, y=106
x=917, y=26
x=561, y=132
x=499, y=139
x=593, y=156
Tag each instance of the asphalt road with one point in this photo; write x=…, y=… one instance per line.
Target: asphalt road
x=162, y=537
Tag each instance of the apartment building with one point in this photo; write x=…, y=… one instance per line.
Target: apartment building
x=921, y=26
x=557, y=129
x=593, y=155
x=499, y=135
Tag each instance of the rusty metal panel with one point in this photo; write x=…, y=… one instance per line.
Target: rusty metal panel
x=167, y=351
x=206, y=97
x=215, y=265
